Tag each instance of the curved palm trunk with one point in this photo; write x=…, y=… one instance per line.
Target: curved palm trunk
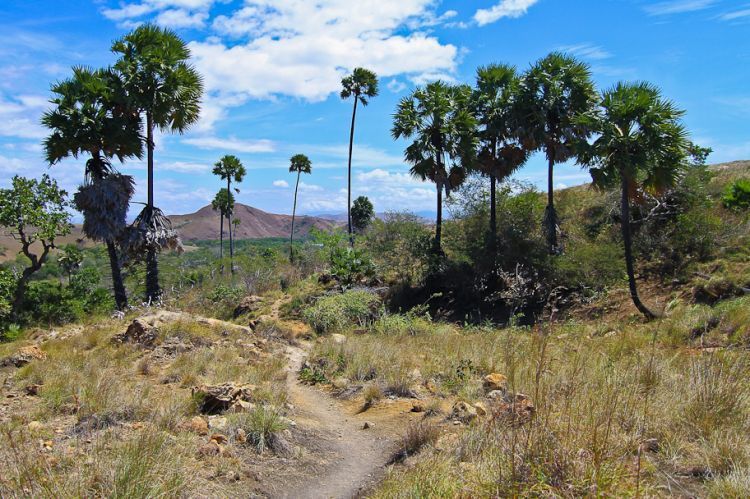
x=437, y=247
x=221, y=234
x=349, y=190
x=229, y=228
x=121, y=296
x=550, y=214
x=153, y=291
x=294, y=211
x=628, y=243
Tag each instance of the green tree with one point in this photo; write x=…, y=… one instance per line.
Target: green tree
x=161, y=84
x=362, y=214
x=90, y=117
x=301, y=164
x=230, y=168
x=223, y=203
x=552, y=93
x=35, y=214
x=500, y=152
x=438, y=119
x=363, y=85
x=641, y=145
x=70, y=259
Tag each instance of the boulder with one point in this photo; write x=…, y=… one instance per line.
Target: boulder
x=463, y=412
x=217, y=399
x=495, y=381
x=197, y=425
x=24, y=356
x=248, y=304
x=217, y=423
x=139, y=332
x=481, y=409
x=496, y=395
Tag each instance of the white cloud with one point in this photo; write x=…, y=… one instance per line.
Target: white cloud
x=19, y=116
x=678, y=7
x=232, y=144
x=363, y=155
x=396, y=86
x=178, y=18
x=169, y=13
x=310, y=187
x=736, y=15
x=184, y=167
x=281, y=183
x=586, y=51
x=505, y=8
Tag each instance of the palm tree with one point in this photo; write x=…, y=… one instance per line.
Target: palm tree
x=500, y=152
x=222, y=202
x=437, y=116
x=230, y=168
x=89, y=117
x=161, y=84
x=642, y=146
x=363, y=85
x=552, y=93
x=300, y=164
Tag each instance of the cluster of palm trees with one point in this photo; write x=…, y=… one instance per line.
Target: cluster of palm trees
x=231, y=169
x=113, y=113
x=628, y=136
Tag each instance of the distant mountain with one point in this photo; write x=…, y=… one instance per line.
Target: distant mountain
x=254, y=224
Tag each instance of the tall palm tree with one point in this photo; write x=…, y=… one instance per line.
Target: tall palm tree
x=500, y=151
x=363, y=85
x=222, y=202
x=300, y=164
x=641, y=145
x=230, y=168
x=89, y=117
x=441, y=124
x=161, y=84
x=552, y=93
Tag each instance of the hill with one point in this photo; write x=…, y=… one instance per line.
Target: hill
x=254, y=224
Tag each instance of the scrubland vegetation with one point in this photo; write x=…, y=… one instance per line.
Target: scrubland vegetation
x=590, y=341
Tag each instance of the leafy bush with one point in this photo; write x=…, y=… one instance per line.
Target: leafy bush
x=737, y=195
x=400, y=243
x=7, y=287
x=338, y=312
x=224, y=294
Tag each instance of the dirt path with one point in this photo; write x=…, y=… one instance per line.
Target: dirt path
x=359, y=455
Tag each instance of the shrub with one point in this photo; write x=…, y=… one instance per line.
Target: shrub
x=262, y=426
x=337, y=312
x=737, y=195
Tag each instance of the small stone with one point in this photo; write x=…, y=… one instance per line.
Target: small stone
x=338, y=339
x=496, y=395
x=417, y=407
x=495, y=381
x=241, y=436
x=35, y=426
x=217, y=422
x=367, y=425
x=219, y=438
x=481, y=409
x=650, y=445
x=32, y=390
x=139, y=332
x=196, y=425
x=209, y=449
x=463, y=412
x=341, y=383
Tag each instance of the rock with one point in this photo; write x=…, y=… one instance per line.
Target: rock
x=367, y=425
x=415, y=375
x=341, y=383
x=242, y=406
x=216, y=399
x=32, y=390
x=139, y=332
x=196, y=425
x=173, y=346
x=248, y=304
x=496, y=395
x=519, y=408
x=338, y=339
x=241, y=436
x=417, y=407
x=219, y=438
x=481, y=409
x=217, y=422
x=463, y=412
x=650, y=445
x=210, y=449
x=35, y=426
x=495, y=381
x=24, y=356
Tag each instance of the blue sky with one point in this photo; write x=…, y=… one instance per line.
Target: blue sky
x=272, y=70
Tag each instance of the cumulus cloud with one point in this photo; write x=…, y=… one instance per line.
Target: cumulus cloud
x=505, y=8
x=281, y=183
x=19, y=116
x=169, y=13
x=232, y=144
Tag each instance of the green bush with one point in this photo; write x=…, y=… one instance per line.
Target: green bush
x=339, y=312
x=737, y=195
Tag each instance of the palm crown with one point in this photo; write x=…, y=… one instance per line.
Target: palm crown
x=300, y=163
x=158, y=78
x=89, y=116
x=362, y=84
x=230, y=168
x=223, y=202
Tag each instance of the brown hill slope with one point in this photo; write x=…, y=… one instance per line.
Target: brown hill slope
x=254, y=223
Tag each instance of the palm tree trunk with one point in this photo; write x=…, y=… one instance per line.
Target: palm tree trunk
x=349, y=190
x=153, y=292
x=550, y=214
x=121, y=296
x=628, y=243
x=437, y=248
x=493, y=203
x=294, y=211
x=221, y=234
x=229, y=227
